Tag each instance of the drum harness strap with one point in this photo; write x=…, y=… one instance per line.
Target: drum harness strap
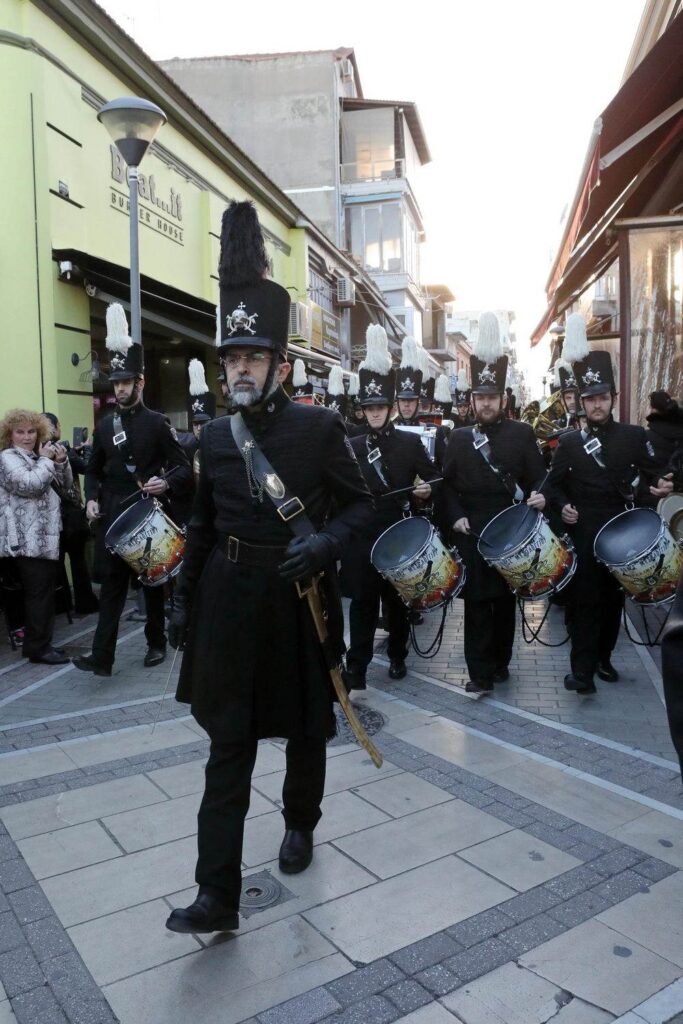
x=593, y=447
x=481, y=444
x=377, y=463
x=292, y=511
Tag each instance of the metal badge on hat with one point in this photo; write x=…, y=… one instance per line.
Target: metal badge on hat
x=487, y=376
x=239, y=320
x=373, y=388
x=592, y=377
x=197, y=406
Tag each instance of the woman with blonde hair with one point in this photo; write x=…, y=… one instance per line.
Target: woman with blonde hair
x=33, y=470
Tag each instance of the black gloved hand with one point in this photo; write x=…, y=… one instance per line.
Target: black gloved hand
x=178, y=623
x=306, y=556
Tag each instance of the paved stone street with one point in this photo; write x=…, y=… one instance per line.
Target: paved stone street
x=517, y=858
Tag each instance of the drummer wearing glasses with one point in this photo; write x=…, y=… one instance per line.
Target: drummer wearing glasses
x=594, y=476
x=488, y=467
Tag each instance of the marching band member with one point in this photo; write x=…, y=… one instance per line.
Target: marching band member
x=594, y=475
x=355, y=420
x=302, y=388
x=131, y=449
x=487, y=467
x=253, y=666
x=335, y=396
x=389, y=459
x=408, y=383
x=463, y=396
x=442, y=397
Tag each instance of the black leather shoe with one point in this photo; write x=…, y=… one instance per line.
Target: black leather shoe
x=353, y=680
x=296, y=852
x=501, y=675
x=154, y=656
x=206, y=914
x=607, y=671
x=478, y=686
x=397, y=668
x=87, y=663
x=51, y=656
x=579, y=682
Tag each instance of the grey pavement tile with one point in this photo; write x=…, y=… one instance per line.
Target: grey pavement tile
x=11, y=935
x=14, y=874
x=575, y=881
x=425, y=953
x=407, y=996
x=48, y=939
x=561, y=840
x=621, y=886
x=481, y=926
x=505, y=796
x=579, y=909
x=438, y=980
x=584, y=834
x=38, y=1007
x=373, y=1010
x=654, y=870
x=308, y=1008
x=532, y=933
x=479, y=959
x=529, y=904
x=366, y=981
x=583, y=851
x=30, y=904
x=470, y=795
x=76, y=991
x=611, y=863
x=19, y=971
x=8, y=850
x=508, y=814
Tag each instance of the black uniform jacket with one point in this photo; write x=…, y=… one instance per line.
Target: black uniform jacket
x=475, y=491
x=403, y=459
x=600, y=494
x=253, y=659
x=665, y=434
x=154, y=449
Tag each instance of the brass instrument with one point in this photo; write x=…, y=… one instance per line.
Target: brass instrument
x=547, y=418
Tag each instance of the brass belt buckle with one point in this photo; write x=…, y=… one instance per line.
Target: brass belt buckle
x=233, y=549
x=290, y=508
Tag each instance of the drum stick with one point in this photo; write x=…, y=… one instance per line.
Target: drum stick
x=403, y=490
x=163, y=696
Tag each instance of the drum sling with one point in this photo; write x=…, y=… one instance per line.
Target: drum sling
x=625, y=489
x=375, y=460
x=481, y=444
x=123, y=448
x=264, y=480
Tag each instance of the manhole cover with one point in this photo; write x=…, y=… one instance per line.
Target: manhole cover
x=261, y=891
x=371, y=720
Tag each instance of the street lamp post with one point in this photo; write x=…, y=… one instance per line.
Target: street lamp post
x=133, y=124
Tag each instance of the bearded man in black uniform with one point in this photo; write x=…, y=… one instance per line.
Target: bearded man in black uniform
x=594, y=476
x=487, y=467
x=389, y=459
x=253, y=666
x=133, y=449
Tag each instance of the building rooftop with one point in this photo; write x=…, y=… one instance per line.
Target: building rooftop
x=411, y=114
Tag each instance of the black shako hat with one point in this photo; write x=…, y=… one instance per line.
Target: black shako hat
x=488, y=365
x=409, y=374
x=567, y=376
x=126, y=359
x=442, y=395
x=463, y=391
x=335, y=396
x=302, y=387
x=377, y=379
x=254, y=310
x=202, y=401
x=594, y=374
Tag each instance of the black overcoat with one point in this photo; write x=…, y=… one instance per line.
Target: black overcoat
x=404, y=458
x=253, y=660
x=475, y=491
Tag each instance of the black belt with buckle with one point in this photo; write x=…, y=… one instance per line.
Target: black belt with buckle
x=259, y=556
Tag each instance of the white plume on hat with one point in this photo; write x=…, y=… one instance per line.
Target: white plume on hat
x=377, y=357
x=335, y=381
x=442, y=391
x=488, y=347
x=462, y=383
x=354, y=385
x=197, y=377
x=576, y=345
x=423, y=363
x=118, y=338
x=219, y=326
x=409, y=354
x=299, y=378
x=556, y=373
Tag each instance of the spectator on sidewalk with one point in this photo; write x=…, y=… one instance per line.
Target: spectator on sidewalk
x=31, y=469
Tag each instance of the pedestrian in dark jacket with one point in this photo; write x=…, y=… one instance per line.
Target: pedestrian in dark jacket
x=664, y=433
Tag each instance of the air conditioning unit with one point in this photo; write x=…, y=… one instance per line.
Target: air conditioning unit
x=347, y=70
x=300, y=321
x=346, y=292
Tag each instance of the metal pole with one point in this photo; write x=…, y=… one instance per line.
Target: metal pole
x=135, y=315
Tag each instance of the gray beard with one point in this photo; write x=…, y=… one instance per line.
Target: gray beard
x=245, y=398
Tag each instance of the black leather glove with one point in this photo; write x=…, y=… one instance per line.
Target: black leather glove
x=178, y=623
x=305, y=556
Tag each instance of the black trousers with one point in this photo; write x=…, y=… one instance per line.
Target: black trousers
x=85, y=600
x=594, y=613
x=225, y=804
x=363, y=616
x=38, y=578
x=489, y=636
x=115, y=581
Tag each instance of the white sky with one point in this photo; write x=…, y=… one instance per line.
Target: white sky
x=507, y=93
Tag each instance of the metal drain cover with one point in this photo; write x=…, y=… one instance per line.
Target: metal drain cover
x=371, y=720
x=261, y=891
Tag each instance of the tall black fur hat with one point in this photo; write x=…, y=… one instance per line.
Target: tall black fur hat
x=254, y=310
x=488, y=363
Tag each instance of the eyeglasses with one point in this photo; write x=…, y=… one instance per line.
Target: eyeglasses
x=232, y=361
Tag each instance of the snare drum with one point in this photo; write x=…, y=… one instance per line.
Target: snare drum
x=412, y=557
x=639, y=551
x=532, y=560
x=149, y=541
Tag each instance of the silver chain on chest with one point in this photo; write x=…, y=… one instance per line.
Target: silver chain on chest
x=255, y=487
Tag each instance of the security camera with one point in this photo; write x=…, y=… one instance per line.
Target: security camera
x=65, y=270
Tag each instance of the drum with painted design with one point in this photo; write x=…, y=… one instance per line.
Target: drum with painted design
x=639, y=551
x=149, y=541
x=412, y=557
x=532, y=560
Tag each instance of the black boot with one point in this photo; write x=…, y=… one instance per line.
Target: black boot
x=87, y=663
x=154, y=656
x=397, y=668
x=478, y=686
x=296, y=852
x=206, y=914
x=353, y=680
x=580, y=683
x=607, y=671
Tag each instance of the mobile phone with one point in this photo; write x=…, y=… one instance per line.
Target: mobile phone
x=80, y=436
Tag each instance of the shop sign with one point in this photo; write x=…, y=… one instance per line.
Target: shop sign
x=160, y=214
x=325, y=330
